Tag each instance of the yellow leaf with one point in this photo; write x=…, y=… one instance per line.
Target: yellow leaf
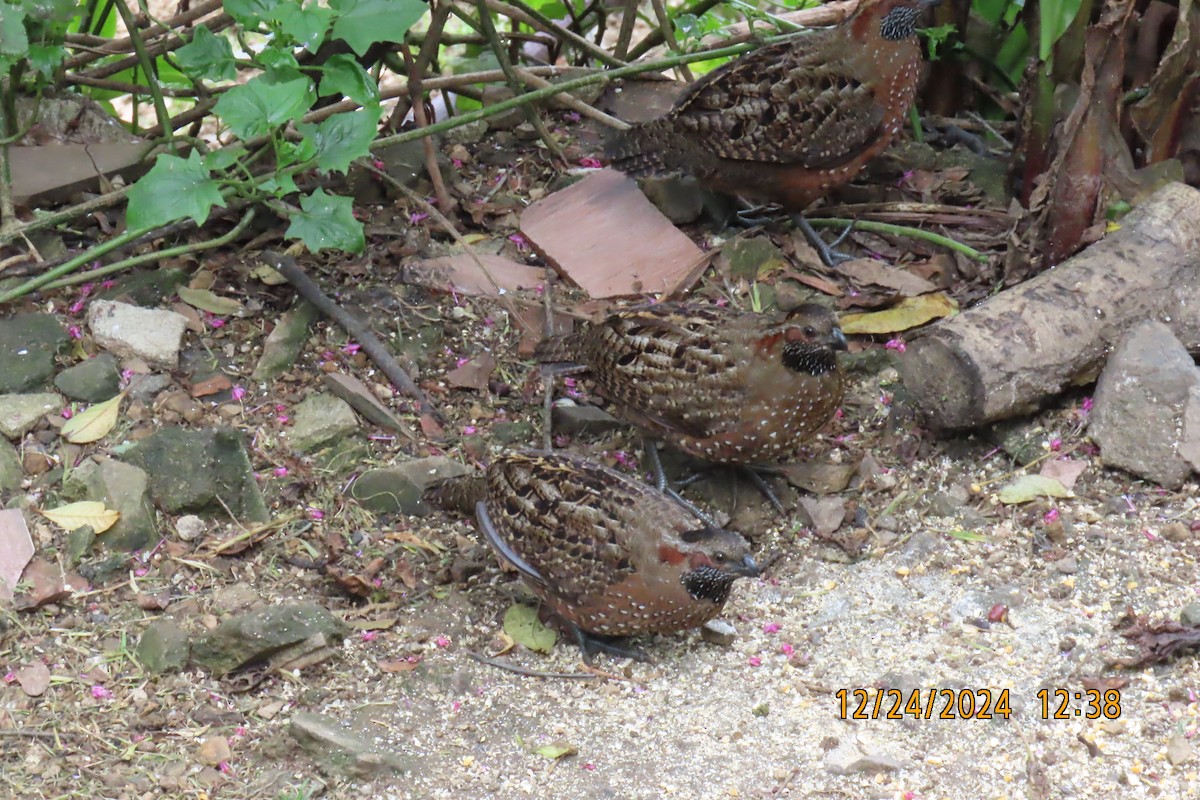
x=522, y=624
x=908, y=313
x=93, y=424
x=1031, y=487
x=85, y=512
x=212, y=303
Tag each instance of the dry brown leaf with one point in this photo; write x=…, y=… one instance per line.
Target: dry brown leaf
x=473, y=374
x=212, y=303
x=1064, y=470
x=34, y=678
x=16, y=549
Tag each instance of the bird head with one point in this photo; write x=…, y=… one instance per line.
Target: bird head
x=809, y=340
x=897, y=18
x=713, y=559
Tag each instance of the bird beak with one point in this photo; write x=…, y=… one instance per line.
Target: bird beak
x=748, y=568
x=837, y=340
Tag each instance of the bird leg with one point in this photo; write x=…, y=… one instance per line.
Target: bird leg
x=830, y=256
x=590, y=644
x=753, y=473
x=660, y=482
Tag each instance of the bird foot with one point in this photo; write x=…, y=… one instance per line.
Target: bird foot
x=660, y=482
x=754, y=216
x=590, y=644
x=829, y=254
x=756, y=478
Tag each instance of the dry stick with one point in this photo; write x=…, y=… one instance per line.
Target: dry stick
x=514, y=83
x=127, y=88
x=656, y=36
x=523, y=12
x=157, y=48
x=508, y=666
x=117, y=46
x=418, y=109
x=371, y=345
x=628, y=18
x=547, y=375
x=574, y=103
x=146, y=62
x=668, y=32
x=433, y=36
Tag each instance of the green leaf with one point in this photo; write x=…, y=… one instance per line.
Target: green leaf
x=1056, y=17
x=282, y=63
x=522, y=624
x=342, y=138
x=262, y=104
x=208, y=56
x=327, y=221
x=58, y=12
x=279, y=185
x=172, y=190
x=226, y=157
x=969, y=536
x=46, y=58
x=251, y=12
x=1031, y=487
x=288, y=152
x=556, y=750
x=341, y=74
x=13, y=40
x=305, y=25
x=362, y=23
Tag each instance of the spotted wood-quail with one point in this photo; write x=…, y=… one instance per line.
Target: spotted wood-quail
x=726, y=386
x=791, y=121
x=608, y=555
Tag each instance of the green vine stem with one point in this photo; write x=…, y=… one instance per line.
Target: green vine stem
x=147, y=64
x=900, y=230
x=157, y=255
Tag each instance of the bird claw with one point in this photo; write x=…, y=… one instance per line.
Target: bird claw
x=830, y=256
x=591, y=643
x=754, y=216
x=755, y=477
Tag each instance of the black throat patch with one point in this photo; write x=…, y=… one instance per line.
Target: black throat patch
x=899, y=24
x=815, y=361
x=708, y=583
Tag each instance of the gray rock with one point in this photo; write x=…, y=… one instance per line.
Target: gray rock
x=319, y=420
x=28, y=345
x=1190, y=615
x=513, y=433
x=467, y=134
x=128, y=331
x=1189, y=446
x=20, y=412
x=148, y=289
x=750, y=257
x=189, y=527
x=200, y=471
x=79, y=544
x=679, y=198
x=146, y=387
x=719, y=632
x=256, y=634
x=848, y=759
x=338, y=749
x=91, y=381
x=398, y=489
x=163, y=648
x=576, y=420
x=1140, y=402
x=11, y=472
x=123, y=488
x=286, y=340
x=362, y=400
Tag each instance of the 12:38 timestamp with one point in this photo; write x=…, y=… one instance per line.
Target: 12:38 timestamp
x=1090, y=703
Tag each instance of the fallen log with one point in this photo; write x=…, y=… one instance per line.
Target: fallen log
x=1011, y=353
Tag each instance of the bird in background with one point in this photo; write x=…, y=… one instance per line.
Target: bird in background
x=724, y=385
x=791, y=121
x=609, y=556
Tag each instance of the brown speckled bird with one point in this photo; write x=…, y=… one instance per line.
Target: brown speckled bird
x=609, y=555
x=790, y=121
x=726, y=386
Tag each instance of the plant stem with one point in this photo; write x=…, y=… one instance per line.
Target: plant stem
x=656, y=36
x=147, y=63
x=523, y=12
x=899, y=230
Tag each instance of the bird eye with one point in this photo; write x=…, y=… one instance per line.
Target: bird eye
x=810, y=331
x=719, y=557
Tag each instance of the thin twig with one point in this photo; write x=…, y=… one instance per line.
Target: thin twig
x=508, y=666
x=655, y=37
x=422, y=119
x=371, y=345
x=574, y=103
x=157, y=255
x=117, y=46
x=625, y=34
x=668, y=32
x=126, y=88
x=900, y=230
x=146, y=62
x=216, y=24
x=489, y=30
x=523, y=12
